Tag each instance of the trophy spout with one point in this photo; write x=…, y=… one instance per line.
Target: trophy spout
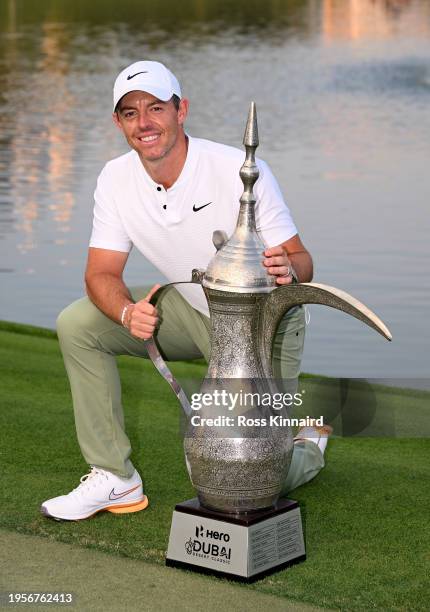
x=284, y=298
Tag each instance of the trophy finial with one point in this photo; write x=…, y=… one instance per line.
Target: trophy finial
x=236, y=267
x=250, y=138
x=249, y=171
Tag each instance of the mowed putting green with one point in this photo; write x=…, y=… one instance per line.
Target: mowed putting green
x=366, y=515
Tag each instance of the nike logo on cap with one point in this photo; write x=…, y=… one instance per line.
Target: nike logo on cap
x=131, y=76
x=196, y=208
x=113, y=495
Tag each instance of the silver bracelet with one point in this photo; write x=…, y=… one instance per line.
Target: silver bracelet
x=124, y=310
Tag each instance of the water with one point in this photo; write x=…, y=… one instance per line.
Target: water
x=342, y=90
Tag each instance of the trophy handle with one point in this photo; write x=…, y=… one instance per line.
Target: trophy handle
x=282, y=299
x=155, y=355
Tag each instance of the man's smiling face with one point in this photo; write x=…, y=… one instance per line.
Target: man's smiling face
x=151, y=127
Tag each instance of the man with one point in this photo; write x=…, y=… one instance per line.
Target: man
x=165, y=197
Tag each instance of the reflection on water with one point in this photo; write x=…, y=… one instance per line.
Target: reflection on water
x=38, y=151
x=342, y=89
x=358, y=20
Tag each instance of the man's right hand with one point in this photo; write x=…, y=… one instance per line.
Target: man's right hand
x=142, y=318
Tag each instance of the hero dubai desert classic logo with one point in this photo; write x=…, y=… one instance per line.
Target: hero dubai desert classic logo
x=203, y=545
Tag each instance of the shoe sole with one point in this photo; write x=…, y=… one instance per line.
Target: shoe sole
x=125, y=508
x=324, y=431
x=115, y=509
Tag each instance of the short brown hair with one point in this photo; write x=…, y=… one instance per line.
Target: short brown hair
x=175, y=99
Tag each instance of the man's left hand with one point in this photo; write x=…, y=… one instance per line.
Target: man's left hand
x=277, y=263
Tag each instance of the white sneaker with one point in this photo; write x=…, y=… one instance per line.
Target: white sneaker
x=318, y=434
x=99, y=490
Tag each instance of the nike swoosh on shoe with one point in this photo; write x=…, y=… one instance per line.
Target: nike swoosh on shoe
x=113, y=495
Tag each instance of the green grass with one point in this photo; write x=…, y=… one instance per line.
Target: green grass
x=366, y=515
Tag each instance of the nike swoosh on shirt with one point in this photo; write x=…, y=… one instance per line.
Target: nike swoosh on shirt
x=113, y=495
x=196, y=208
x=131, y=76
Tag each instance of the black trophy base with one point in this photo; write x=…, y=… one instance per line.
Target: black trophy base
x=242, y=547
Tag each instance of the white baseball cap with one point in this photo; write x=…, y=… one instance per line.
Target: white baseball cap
x=152, y=77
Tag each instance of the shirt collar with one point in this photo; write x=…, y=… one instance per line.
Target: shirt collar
x=186, y=173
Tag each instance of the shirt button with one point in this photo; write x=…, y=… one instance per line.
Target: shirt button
x=164, y=206
x=158, y=188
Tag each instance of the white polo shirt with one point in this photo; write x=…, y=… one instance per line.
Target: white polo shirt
x=173, y=228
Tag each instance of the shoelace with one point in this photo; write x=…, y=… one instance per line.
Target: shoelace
x=94, y=477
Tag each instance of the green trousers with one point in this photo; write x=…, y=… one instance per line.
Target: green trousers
x=90, y=342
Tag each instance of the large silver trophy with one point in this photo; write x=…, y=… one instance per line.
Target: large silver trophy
x=238, y=526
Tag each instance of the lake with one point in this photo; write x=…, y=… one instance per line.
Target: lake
x=342, y=89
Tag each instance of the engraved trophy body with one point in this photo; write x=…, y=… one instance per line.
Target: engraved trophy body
x=238, y=473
